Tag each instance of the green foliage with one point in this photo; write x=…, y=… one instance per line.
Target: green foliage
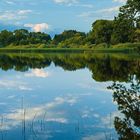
x=126, y=22
x=123, y=29
x=137, y=35
x=69, y=39
x=126, y=45
x=102, y=30
x=6, y=38
x=23, y=37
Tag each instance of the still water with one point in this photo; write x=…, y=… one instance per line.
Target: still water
x=69, y=97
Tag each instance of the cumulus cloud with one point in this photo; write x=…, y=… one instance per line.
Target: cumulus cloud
x=40, y=27
x=38, y=73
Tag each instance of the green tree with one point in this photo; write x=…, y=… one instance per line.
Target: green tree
x=137, y=35
x=20, y=36
x=67, y=35
x=6, y=38
x=126, y=22
x=123, y=31
x=70, y=38
x=102, y=30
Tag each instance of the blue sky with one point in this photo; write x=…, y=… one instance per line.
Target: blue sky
x=55, y=15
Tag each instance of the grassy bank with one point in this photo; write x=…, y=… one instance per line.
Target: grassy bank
x=43, y=50
x=101, y=48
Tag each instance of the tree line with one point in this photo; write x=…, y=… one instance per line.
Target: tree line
x=23, y=37
x=124, y=28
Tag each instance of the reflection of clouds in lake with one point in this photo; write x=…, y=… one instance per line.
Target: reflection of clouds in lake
x=38, y=73
x=47, y=112
x=11, y=97
x=89, y=113
x=95, y=85
x=70, y=100
x=108, y=120
x=98, y=136
x=10, y=84
x=25, y=88
x=3, y=103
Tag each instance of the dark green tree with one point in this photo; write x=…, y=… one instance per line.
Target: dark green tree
x=6, y=38
x=126, y=22
x=67, y=35
x=102, y=30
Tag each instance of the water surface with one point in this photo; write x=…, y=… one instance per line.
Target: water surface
x=69, y=96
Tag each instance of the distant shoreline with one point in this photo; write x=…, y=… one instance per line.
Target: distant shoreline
x=120, y=48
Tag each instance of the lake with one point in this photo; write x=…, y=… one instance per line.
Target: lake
x=71, y=96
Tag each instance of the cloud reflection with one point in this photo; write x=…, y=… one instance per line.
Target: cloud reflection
x=38, y=73
x=10, y=84
x=47, y=112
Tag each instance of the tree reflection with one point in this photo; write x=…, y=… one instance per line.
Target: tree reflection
x=104, y=67
x=128, y=101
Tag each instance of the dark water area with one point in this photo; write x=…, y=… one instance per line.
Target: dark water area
x=71, y=96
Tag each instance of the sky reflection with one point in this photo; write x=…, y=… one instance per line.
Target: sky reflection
x=52, y=104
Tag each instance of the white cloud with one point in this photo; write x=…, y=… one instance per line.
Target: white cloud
x=65, y=1
x=75, y=3
x=107, y=13
x=14, y=15
x=10, y=2
x=86, y=5
x=40, y=27
x=109, y=10
x=120, y=1
x=23, y=12
x=38, y=73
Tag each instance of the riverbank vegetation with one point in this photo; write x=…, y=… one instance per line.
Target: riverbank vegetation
x=122, y=32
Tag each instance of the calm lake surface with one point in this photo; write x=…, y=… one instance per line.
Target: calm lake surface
x=69, y=96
